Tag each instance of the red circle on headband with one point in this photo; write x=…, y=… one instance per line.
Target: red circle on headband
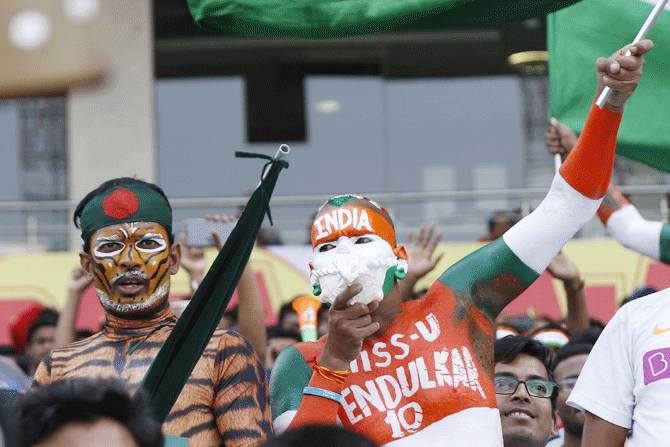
x=121, y=204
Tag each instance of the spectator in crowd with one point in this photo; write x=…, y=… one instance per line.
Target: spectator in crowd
x=499, y=222
x=568, y=363
x=278, y=339
x=40, y=338
x=443, y=344
x=320, y=436
x=322, y=319
x=288, y=320
x=128, y=247
x=85, y=412
x=66, y=330
x=623, y=384
x=19, y=325
x=639, y=293
x=620, y=217
x=528, y=412
x=420, y=259
x=563, y=269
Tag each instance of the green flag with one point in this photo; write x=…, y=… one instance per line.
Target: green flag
x=576, y=37
x=187, y=341
x=324, y=19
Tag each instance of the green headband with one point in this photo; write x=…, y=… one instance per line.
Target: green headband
x=129, y=202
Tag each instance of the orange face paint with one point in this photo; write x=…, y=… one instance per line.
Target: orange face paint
x=351, y=221
x=131, y=264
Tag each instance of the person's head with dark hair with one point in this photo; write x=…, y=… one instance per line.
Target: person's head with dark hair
x=322, y=319
x=525, y=390
x=40, y=337
x=552, y=335
x=288, y=318
x=567, y=365
x=278, y=339
x=80, y=411
x=588, y=335
x=499, y=222
x=320, y=436
x=639, y=293
x=126, y=226
x=110, y=186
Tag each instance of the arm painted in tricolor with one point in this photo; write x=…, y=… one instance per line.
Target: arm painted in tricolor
x=622, y=219
x=576, y=193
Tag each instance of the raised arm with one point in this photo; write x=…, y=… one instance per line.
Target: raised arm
x=66, y=327
x=292, y=404
x=516, y=260
x=561, y=267
x=420, y=259
x=622, y=220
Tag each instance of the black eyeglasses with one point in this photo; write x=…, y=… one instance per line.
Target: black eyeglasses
x=535, y=387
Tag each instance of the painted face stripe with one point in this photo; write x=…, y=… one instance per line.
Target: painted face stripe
x=351, y=221
x=163, y=274
x=154, y=256
x=99, y=272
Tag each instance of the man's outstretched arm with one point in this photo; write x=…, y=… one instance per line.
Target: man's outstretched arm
x=575, y=195
x=623, y=221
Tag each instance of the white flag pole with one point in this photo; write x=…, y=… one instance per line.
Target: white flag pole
x=602, y=99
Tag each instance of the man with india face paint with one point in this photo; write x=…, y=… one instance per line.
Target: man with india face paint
x=129, y=250
x=421, y=372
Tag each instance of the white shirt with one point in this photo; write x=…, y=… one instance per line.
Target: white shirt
x=626, y=378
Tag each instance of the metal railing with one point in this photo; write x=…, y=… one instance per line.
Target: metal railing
x=31, y=233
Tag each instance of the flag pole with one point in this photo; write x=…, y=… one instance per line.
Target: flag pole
x=557, y=162
x=648, y=24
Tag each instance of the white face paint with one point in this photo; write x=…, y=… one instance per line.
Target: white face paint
x=348, y=260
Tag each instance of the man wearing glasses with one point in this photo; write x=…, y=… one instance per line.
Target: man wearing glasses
x=525, y=391
x=568, y=364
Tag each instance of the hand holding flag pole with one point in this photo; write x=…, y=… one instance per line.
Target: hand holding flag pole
x=648, y=24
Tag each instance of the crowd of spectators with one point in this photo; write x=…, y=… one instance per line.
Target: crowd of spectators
x=61, y=386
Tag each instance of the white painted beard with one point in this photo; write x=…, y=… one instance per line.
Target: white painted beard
x=129, y=309
x=343, y=270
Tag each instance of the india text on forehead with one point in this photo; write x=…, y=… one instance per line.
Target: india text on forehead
x=340, y=219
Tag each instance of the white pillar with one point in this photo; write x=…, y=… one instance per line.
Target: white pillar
x=111, y=126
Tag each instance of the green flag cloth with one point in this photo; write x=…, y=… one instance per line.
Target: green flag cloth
x=187, y=341
x=325, y=19
x=576, y=37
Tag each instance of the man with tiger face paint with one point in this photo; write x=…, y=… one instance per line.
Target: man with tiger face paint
x=421, y=372
x=131, y=265
x=129, y=249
